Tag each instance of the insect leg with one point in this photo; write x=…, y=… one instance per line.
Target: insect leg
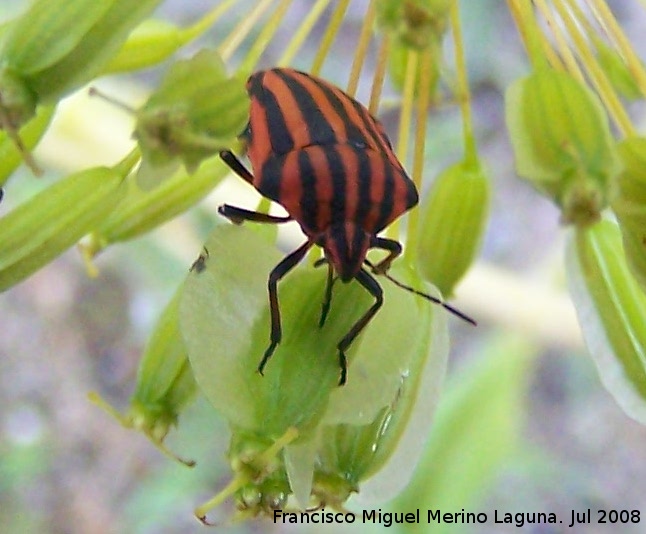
x=394, y=249
x=327, y=299
x=375, y=290
x=286, y=265
x=237, y=215
x=236, y=166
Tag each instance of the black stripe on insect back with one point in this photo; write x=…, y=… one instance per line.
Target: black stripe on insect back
x=272, y=174
x=309, y=203
x=369, y=123
x=365, y=184
x=339, y=178
x=386, y=204
x=281, y=139
x=320, y=131
x=355, y=136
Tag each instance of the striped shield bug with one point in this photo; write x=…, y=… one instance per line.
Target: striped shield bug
x=319, y=153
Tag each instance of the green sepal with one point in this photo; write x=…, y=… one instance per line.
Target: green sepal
x=630, y=205
x=562, y=143
x=196, y=111
x=612, y=313
x=452, y=224
x=48, y=224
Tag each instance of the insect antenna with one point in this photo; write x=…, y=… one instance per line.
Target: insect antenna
x=433, y=299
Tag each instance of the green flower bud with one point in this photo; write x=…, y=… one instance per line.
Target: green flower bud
x=612, y=313
x=153, y=41
x=141, y=211
x=48, y=224
x=165, y=383
x=415, y=23
x=630, y=205
x=453, y=219
x=196, y=111
x=562, y=143
x=56, y=46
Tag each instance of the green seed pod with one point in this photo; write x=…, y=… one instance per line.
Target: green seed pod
x=196, y=111
x=630, y=205
x=562, y=143
x=56, y=46
x=48, y=224
x=415, y=23
x=141, y=211
x=225, y=321
x=453, y=220
x=165, y=383
x=378, y=459
x=153, y=41
x=612, y=313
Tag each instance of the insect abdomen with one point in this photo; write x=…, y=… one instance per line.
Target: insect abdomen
x=322, y=185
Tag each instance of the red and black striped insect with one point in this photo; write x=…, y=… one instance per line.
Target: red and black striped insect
x=321, y=155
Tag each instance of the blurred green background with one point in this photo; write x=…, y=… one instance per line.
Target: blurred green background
x=524, y=424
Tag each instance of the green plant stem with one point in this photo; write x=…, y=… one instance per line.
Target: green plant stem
x=608, y=21
x=265, y=36
x=379, y=75
x=470, y=148
x=405, y=120
x=330, y=33
x=561, y=41
x=599, y=78
x=362, y=49
x=240, y=32
x=302, y=32
x=421, y=122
